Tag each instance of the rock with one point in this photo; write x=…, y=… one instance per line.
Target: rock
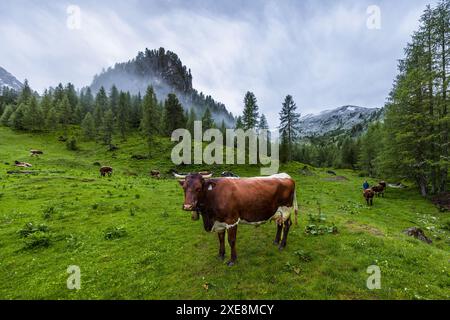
x=417, y=233
x=331, y=172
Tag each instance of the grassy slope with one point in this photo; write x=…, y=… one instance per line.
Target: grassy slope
x=166, y=255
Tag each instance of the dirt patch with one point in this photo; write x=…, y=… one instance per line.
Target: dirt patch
x=442, y=201
x=358, y=227
x=337, y=178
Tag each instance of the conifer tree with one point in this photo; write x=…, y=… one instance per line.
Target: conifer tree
x=250, y=114
x=289, y=125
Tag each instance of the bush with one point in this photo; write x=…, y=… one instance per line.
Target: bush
x=35, y=236
x=30, y=228
x=115, y=233
x=37, y=239
x=71, y=144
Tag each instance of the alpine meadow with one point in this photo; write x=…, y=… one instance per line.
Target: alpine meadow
x=94, y=206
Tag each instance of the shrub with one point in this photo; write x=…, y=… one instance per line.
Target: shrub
x=37, y=239
x=71, y=144
x=48, y=212
x=30, y=228
x=112, y=233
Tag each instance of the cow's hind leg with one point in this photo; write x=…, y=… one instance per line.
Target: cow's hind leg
x=278, y=236
x=287, y=225
x=221, y=245
x=232, y=232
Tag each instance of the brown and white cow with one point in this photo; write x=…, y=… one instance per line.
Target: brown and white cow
x=368, y=195
x=379, y=189
x=106, y=171
x=224, y=203
x=35, y=153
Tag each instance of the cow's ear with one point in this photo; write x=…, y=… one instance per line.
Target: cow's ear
x=209, y=185
x=181, y=182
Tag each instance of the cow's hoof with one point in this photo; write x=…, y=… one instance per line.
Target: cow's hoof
x=230, y=263
x=221, y=257
x=281, y=248
x=275, y=242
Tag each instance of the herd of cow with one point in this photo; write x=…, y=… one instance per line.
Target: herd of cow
x=377, y=190
x=227, y=201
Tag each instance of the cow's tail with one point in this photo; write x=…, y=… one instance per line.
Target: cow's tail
x=295, y=207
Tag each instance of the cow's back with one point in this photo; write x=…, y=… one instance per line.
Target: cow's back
x=250, y=199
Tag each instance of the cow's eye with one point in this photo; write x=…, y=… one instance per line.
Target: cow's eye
x=197, y=190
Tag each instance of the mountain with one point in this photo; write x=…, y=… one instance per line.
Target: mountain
x=352, y=119
x=165, y=72
x=8, y=80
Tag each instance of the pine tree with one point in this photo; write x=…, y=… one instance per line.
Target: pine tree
x=101, y=105
x=25, y=94
x=4, y=120
x=122, y=114
x=33, y=119
x=51, y=120
x=88, y=127
x=16, y=121
x=289, y=125
x=250, y=114
x=65, y=113
x=191, y=119
x=114, y=100
x=207, y=120
x=263, y=123
x=108, y=128
x=150, y=117
x=174, y=114
x=239, y=124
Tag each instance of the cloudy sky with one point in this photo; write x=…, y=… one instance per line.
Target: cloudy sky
x=320, y=51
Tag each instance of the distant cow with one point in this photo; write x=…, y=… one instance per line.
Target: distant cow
x=368, y=195
x=229, y=174
x=106, y=171
x=379, y=189
x=36, y=153
x=224, y=203
x=155, y=174
x=22, y=164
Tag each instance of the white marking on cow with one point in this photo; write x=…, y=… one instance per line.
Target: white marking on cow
x=210, y=187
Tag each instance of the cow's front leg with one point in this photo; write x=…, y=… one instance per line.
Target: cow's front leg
x=221, y=244
x=287, y=225
x=278, y=236
x=232, y=232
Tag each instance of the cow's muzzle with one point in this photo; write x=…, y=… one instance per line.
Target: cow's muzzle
x=188, y=207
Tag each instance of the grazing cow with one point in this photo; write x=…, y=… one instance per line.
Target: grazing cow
x=368, y=195
x=223, y=203
x=229, y=174
x=22, y=164
x=35, y=153
x=106, y=171
x=379, y=190
x=155, y=174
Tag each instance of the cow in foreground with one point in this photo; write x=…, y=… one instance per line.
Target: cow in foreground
x=106, y=171
x=368, y=195
x=224, y=203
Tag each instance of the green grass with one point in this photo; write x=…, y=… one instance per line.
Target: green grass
x=131, y=239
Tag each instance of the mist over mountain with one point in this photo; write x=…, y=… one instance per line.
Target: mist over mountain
x=8, y=80
x=165, y=72
x=352, y=119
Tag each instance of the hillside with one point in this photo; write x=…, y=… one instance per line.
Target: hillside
x=156, y=244
x=8, y=80
x=347, y=119
x=166, y=73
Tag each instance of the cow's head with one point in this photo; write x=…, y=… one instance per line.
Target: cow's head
x=195, y=187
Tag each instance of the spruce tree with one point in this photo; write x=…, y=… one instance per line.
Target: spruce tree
x=174, y=114
x=289, y=125
x=88, y=127
x=108, y=128
x=150, y=119
x=122, y=114
x=250, y=114
x=207, y=120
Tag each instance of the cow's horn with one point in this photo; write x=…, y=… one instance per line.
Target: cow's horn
x=179, y=176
